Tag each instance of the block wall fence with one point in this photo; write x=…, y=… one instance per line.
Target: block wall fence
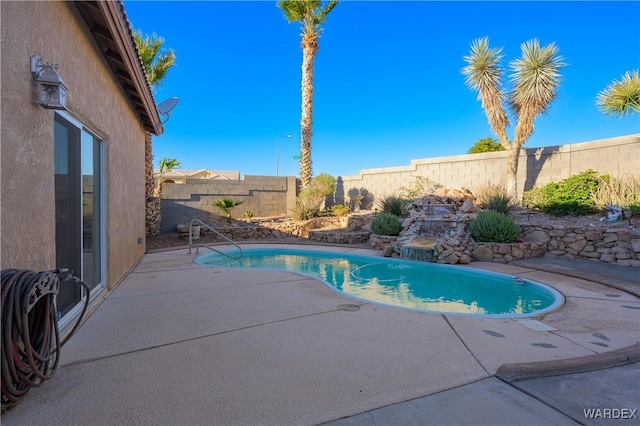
x=275, y=196
x=263, y=195
x=537, y=167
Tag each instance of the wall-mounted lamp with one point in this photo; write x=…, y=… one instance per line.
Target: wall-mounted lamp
x=52, y=93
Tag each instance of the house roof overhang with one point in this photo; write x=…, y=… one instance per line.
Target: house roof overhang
x=110, y=27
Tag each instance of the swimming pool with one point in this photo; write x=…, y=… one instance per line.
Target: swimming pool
x=406, y=283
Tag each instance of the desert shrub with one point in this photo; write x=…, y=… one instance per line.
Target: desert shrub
x=623, y=192
x=308, y=204
x=534, y=198
x=393, y=204
x=494, y=197
x=422, y=186
x=386, y=224
x=569, y=196
x=494, y=227
x=340, y=210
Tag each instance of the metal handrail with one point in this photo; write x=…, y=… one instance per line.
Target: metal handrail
x=201, y=223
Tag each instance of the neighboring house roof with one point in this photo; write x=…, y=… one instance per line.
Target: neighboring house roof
x=108, y=22
x=199, y=174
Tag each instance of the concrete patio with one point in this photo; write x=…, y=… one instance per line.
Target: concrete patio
x=178, y=343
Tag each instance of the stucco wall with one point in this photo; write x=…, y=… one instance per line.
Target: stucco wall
x=537, y=167
x=263, y=195
x=55, y=32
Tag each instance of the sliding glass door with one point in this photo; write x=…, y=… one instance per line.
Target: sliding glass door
x=79, y=209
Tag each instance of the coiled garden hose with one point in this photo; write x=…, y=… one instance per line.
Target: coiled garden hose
x=30, y=335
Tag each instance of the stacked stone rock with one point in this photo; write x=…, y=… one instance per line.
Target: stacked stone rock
x=453, y=238
x=604, y=242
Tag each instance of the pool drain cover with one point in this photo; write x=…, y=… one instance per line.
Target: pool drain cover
x=349, y=307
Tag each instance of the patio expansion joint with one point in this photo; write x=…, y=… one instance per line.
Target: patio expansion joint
x=192, y=339
x=190, y=268
x=465, y=345
x=181, y=291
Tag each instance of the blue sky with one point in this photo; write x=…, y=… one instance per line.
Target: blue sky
x=388, y=82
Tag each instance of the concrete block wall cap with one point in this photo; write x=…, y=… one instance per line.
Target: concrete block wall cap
x=533, y=370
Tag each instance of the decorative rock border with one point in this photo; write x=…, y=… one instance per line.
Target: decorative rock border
x=598, y=242
x=333, y=237
x=609, y=243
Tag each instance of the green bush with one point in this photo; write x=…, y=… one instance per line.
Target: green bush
x=340, y=210
x=569, y=196
x=386, y=224
x=393, y=204
x=491, y=226
x=486, y=145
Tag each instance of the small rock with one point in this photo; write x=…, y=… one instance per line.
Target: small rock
x=537, y=237
x=483, y=254
x=467, y=206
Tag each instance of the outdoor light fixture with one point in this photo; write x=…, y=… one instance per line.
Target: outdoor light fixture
x=52, y=93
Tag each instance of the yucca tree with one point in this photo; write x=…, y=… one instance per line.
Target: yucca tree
x=156, y=62
x=621, y=97
x=165, y=165
x=311, y=14
x=535, y=79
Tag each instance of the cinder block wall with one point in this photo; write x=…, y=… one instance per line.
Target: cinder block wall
x=537, y=166
x=263, y=195
x=274, y=196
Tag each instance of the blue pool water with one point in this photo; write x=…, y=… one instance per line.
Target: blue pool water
x=405, y=283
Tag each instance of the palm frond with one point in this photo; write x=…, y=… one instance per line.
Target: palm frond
x=310, y=13
x=621, y=97
x=155, y=60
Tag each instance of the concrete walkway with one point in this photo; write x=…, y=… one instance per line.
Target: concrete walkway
x=178, y=344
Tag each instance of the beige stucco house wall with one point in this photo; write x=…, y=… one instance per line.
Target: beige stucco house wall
x=59, y=32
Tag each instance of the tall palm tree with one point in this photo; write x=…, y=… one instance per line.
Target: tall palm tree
x=156, y=62
x=535, y=79
x=311, y=14
x=621, y=97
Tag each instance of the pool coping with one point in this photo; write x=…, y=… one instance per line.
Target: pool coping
x=558, y=302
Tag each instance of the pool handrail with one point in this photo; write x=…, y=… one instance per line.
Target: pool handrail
x=229, y=240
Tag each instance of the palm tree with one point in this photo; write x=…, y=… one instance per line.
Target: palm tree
x=156, y=62
x=535, y=79
x=226, y=204
x=166, y=165
x=621, y=97
x=311, y=14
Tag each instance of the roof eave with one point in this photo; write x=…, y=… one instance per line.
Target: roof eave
x=125, y=61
